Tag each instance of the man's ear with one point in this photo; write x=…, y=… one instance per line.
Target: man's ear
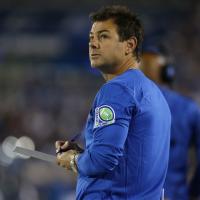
x=131, y=44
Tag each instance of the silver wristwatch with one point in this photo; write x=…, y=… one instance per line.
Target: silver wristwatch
x=73, y=164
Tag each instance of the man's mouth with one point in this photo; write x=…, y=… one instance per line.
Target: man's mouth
x=94, y=55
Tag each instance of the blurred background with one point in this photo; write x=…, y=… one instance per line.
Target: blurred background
x=47, y=86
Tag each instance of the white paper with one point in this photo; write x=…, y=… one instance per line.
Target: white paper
x=35, y=154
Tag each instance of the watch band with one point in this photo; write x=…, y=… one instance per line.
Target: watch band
x=73, y=164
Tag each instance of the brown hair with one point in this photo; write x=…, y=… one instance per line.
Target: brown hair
x=128, y=24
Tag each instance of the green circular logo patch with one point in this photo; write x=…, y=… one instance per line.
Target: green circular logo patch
x=106, y=113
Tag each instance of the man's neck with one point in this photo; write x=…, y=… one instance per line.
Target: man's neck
x=128, y=64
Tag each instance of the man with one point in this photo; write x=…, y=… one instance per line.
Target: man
x=185, y=123
x=128, y=128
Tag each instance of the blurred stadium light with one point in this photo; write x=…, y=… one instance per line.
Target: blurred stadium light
x=27, y=143
x=8, y=146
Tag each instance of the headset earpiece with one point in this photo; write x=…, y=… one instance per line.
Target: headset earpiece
x=168, y=73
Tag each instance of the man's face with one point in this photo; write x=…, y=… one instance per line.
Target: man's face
x=151, y=65
x=106, y=52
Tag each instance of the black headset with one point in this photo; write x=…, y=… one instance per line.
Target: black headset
x=168, y=73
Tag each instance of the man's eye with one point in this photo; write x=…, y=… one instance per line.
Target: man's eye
x=103, y=36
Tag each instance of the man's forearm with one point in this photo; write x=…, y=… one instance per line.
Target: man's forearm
x=98, y=160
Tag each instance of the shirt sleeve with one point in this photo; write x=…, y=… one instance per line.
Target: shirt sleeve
x=112, y=114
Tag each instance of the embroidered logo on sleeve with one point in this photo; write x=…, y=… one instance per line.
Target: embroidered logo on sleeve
x=104, y=115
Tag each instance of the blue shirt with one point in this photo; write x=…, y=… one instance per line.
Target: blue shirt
x=185, y=128
x=127, y=141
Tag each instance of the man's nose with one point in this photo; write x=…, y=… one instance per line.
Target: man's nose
x=94, y=44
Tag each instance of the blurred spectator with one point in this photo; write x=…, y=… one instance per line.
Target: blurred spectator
x=185, y=123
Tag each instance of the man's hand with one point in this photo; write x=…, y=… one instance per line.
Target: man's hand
x=66, y=152
x=64, y=159
x=63, y=146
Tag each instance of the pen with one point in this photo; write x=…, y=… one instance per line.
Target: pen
x=73, y=139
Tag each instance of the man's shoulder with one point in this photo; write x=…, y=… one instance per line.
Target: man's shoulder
x=133, y=85
x=129, y=76
x=132, y=79
x=114, y=88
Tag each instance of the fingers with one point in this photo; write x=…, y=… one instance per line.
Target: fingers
x=65, y=145
x=64, y=159
x=60, y=163
x=61, y=146
x=58, y=144
x=68, y=145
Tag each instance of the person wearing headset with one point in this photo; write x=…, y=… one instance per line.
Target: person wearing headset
x=156, y=64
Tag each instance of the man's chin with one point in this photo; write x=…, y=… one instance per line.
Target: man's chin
x=95, y=65
x=103, y=68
